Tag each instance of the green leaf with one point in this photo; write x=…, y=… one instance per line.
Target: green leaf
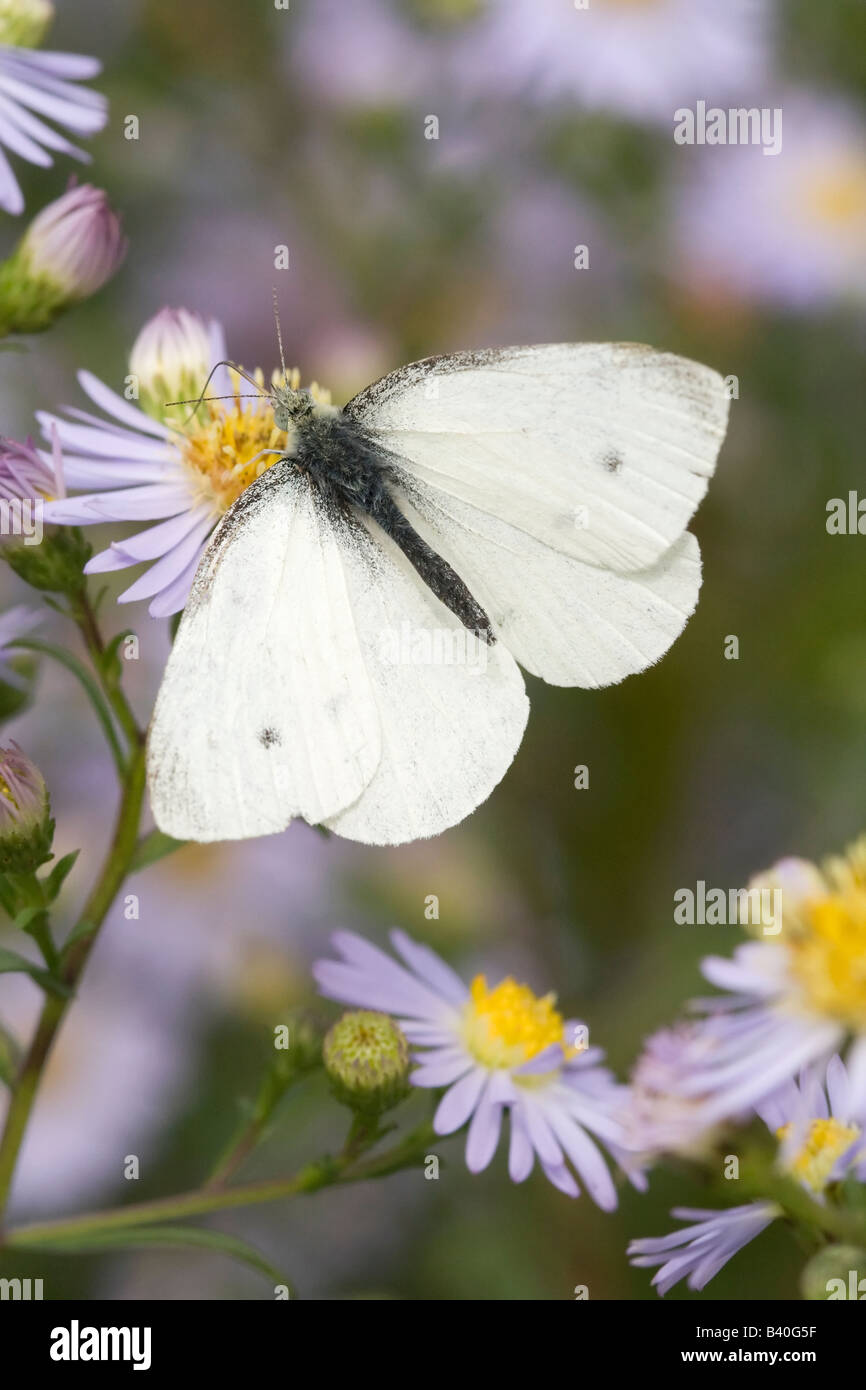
x=53, y=882
x=12, y=964
x=111, y=666
x=163, y=1237
x=151, y=848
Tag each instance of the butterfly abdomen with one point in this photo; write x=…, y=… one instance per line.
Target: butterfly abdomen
x=352, y=472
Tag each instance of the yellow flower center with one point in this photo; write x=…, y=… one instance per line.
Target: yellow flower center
x=828, y=951
x=223, y=443
x=508, y=1025
x=825, y=1143
x=837, y=194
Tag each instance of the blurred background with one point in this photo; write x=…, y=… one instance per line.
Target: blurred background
x=306, y=127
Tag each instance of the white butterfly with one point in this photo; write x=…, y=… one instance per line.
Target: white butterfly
x=542, y=492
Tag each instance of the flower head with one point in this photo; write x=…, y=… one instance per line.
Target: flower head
x=26, y=830
x=820, y=1125
x=789, y=229
x=496, y=1051
x=791, y=998
x=182, y=474
x=366, y=1057
x=35, y=86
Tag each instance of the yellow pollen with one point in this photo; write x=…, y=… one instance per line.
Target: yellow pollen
x=506, y=1026
x=825, y=1143
x=829, y=955
x=222, y=444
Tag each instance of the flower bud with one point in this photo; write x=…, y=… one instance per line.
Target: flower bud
x=171, y=358
x=834, y=1273
x=24, y=23
x=68, y=252
x=26, y=828
x=366, y=1057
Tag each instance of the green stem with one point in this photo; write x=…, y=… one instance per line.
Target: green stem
x=86, y=619
x=54, y=1010
x=323, y=1172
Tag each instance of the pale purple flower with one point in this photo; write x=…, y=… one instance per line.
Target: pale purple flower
x=820, y=1124
x=75, y=242
x=37, y=88
x=788, y=228
x=640, y=60
x=791, y=998
x=496, y=1052
x=183, y=475
x=658, y=1117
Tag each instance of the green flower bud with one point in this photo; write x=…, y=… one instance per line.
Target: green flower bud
x=67, y=253
x=26, y=827
x=834, y=1273
x=366, y=1057
x=24, y=23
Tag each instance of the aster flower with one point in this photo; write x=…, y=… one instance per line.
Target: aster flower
x=641, y=60
x=789, y=229
x=658, y=1118
x=791, y=998
x=820, y=1124
x=141, y=466
x=495, y=1051
x=34, y=86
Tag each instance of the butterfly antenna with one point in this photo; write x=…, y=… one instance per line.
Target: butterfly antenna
x=280, y=337
x=224, y=363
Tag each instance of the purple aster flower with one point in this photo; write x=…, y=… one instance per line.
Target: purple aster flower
x=36, y=88
x=140, y=466
x=641, y=60
x=792, y=998
x=820, y=1125
x=789, y=229
x=497, y=1051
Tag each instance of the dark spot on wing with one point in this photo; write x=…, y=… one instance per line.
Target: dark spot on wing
x=612, y=462
x=269, y=737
